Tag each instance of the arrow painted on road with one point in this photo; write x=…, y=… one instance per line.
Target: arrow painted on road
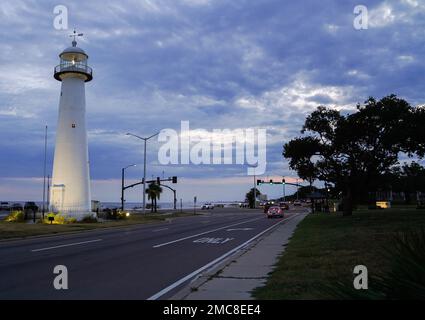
x=240, y=229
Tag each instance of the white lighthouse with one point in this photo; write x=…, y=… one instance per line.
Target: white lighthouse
x=70, y=192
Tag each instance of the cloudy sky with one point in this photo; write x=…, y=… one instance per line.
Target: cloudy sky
x=219, y=64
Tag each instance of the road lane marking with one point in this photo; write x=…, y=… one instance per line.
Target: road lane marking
x=240, y=229
x=215, y=261
x=162, y=229
x=66, y=245
x=213, y=240
x=200, y=234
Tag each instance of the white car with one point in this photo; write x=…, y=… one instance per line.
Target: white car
x=207, y=206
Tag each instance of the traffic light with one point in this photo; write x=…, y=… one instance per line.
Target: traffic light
x=158, y=180
x=174, y=179
x=283, y=181
x=259, y=182
x=271, y=181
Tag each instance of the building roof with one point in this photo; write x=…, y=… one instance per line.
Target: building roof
x=73, y=50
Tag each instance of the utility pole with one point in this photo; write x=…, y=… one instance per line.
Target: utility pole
x=48, y=192
x=298, y=189
x=44, y=173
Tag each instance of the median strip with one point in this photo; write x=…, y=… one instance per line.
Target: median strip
x=66, y=245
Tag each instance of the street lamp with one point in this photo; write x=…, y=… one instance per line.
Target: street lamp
x=144, y=165
x=122, y=184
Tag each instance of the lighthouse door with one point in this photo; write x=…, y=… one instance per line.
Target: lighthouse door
x=58, y=192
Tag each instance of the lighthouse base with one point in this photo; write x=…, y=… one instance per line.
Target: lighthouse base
x=63, y=204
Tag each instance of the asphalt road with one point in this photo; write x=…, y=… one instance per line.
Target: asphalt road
x=139, y=262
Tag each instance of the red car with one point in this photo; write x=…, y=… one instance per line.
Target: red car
x=275, y=212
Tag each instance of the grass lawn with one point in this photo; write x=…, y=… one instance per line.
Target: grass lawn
x=20, y=229
x=326, y=247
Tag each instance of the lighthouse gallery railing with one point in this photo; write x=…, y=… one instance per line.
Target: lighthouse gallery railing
x=77, y=67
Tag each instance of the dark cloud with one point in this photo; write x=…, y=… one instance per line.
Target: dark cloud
x=219, y=64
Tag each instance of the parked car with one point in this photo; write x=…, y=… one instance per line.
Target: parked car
x=4, y=205
x=16, y=207
x=275, y=212
x=297, y=203
x=207, y=206
x=30, y=205
x=284, y=205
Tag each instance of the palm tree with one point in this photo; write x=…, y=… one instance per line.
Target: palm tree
x=154, y=192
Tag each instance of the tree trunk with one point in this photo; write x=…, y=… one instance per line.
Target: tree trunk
x=151, y=205
x=155, y=206
x=348, y=203
x=407, y=197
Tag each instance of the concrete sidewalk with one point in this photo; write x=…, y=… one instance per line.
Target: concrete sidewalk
x=235, y=278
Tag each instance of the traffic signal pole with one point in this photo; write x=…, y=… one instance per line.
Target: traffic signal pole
x=255, y=192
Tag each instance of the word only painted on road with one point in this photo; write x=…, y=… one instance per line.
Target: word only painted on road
x=240, y=229
x=213, y=240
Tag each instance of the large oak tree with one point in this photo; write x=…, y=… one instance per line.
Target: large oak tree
x=354, y=151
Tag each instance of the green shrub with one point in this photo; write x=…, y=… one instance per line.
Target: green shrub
x=115, y=214
x=89, y=219
x=122, y=215
x=58, y=218
x=15, y=216
x=405, y=279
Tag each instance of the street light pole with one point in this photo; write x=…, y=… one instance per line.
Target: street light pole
x=144, y=165
x=144, y=179
x=122, y=184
